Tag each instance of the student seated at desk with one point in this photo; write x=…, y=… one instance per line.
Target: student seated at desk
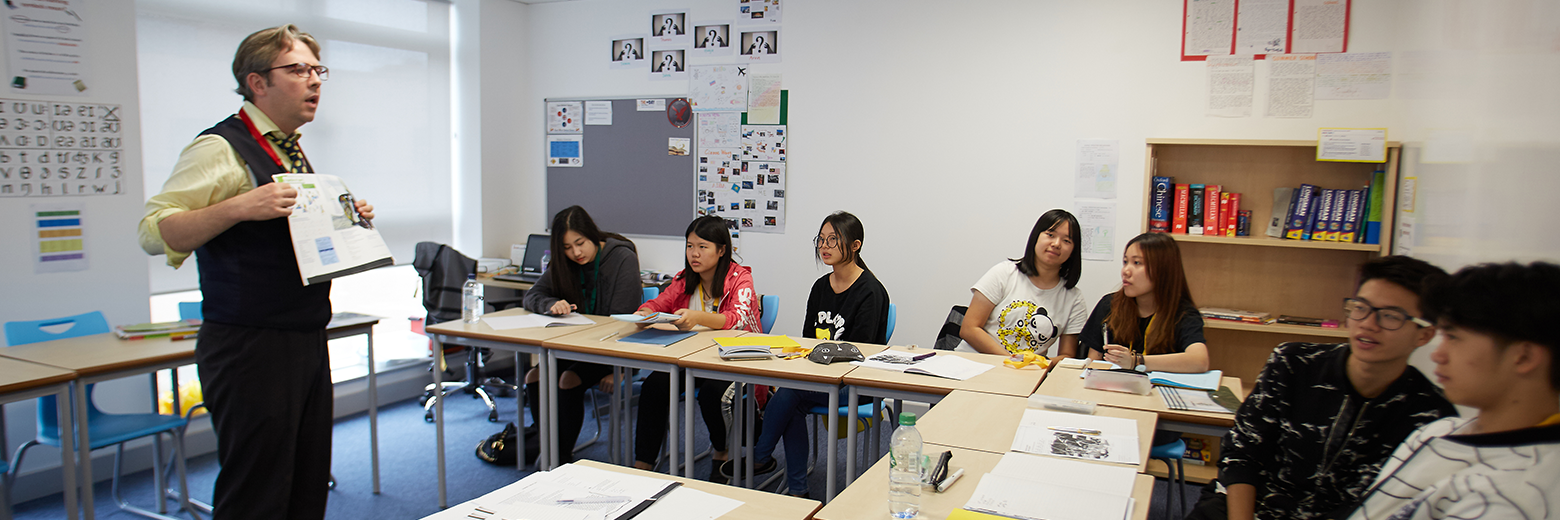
x=1151, y=321
x=1322, y=418
x=591, y=272
x=1498, y=355
x=1024, y=305
x=714, y=291
x=848, y=304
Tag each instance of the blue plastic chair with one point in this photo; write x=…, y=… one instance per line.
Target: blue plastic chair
x=769, y=307
x=893, y=316
x=1173, y=451
x=650, y=294
x=189, y=311
x=105, y=429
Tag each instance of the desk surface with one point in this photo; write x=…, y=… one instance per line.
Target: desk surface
x=755, y=504
x=527, y=336
x=487, y=279
x=799, y=369
x=99, y=353
x=1000, y=380
x=988, y=422
x=1066, y=383
x=589, y=342
x=17, y=375
x=867, y=497
x=342, y=320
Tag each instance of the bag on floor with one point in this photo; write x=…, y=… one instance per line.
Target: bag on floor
x=499, y=448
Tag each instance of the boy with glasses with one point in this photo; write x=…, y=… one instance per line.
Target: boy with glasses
x=1322, y=418
x=1497, y=355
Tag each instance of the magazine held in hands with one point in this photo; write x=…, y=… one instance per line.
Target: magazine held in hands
x=330, y=239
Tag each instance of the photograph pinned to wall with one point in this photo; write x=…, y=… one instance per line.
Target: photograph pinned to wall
x=759, y=46
x=767, y=195
x=712, y=38
x=628, y=52
x=59, y=237
x=720, y=132
x=715, y=88
x=565, y=117
x=669, y=27
x=566, y=151
x=46, y=47
x=678, y=146
x=667, y=65
x=598, y=113
x=763, y=142
x=758, y=11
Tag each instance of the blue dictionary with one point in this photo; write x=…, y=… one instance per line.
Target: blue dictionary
x=1159, y=206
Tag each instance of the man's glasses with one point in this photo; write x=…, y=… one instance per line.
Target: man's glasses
x=1389, y=319
x=826, y=241
x=302, y=70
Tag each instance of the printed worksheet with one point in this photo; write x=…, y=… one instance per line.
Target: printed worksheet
x=1291, y=85
x=1085, y=437
x=330, y=239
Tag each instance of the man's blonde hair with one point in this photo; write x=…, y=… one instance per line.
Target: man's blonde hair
x=258, y=50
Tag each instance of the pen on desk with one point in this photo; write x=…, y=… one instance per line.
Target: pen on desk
x=948, y=482
x=609, y=336
x=1068, y=429
x=923, y=356
x=594, y=500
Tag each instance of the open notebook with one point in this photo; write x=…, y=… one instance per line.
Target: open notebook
x=942, y=365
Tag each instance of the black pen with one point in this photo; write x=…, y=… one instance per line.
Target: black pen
x=923, y=356
x=648, y=502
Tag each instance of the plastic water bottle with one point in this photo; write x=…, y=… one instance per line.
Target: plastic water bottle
x=470, y=300
x=546, y=259
x=904, y=469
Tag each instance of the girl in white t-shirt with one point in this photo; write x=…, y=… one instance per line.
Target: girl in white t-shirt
x=1025, y=305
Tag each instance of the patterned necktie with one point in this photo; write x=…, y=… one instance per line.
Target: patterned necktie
x=289, y=145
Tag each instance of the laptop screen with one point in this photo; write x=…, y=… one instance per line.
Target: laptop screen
x=534, y=246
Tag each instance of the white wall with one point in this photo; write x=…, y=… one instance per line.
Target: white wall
x=948, y=142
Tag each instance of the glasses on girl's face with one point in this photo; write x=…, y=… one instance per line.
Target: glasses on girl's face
x=1389, y=319
x=826, y=241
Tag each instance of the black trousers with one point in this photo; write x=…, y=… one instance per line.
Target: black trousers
x=269, y=395
x=571, y=403
x=650, y=433
x=1211, y=505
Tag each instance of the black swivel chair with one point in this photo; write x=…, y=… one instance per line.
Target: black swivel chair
x=444, y=271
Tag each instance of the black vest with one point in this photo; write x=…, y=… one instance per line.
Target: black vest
x=248, y=274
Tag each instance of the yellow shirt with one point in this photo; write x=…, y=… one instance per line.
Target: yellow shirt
x=209, y=171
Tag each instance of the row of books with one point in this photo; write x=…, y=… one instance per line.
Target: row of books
x=1196, y=209
x=1263, y=318
x=182, y=329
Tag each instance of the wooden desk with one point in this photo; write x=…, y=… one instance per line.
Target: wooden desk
x=880, y=384
x=797, y=373
x=518, y=341
x=21, y=380
x=1067, y=383
x=602, y=345
x=988, y=422
x=868, y=496
x=755, y=504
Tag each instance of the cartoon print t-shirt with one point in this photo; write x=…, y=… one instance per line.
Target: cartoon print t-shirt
x=1027, y=318
x=858, y=314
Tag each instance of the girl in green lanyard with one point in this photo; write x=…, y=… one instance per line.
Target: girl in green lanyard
x=591, y=272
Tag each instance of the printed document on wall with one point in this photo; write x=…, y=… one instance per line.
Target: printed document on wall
x=1097, y=223
x=59, y=237
x=330, y=239
x=1354, y=75
x=1230, y=83
x=1097, y=161
x=1352, y=145
x=1291, y=85
x=47, y=48
x=720, y=131
x=565, y=117
x=1208, y=28
x=764, y=99
x=567, y=151
x=598, y=112
x=1319, y=26
x=717, y=88
x=1263, y=27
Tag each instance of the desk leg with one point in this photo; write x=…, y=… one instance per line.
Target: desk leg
x=671, y=423
x=520, y=411
x=850, y=436
x=83, y=450
x=438, y=419
x=834, y=423
x=549, y=387
x=688, y=426
x=877, y=433
x=67, y=450
x=373, y=413
x=613, y=409
x=750, y=409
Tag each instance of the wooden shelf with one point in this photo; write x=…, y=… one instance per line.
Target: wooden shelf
x=1244, y=142
x=1268, y=241
x=1277, y=328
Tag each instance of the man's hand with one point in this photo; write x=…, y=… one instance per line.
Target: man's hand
x=365, y=209
x=274, y=199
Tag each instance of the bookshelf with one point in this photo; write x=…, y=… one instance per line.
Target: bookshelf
x=1260, y=273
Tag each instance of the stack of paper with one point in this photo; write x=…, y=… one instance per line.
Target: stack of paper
x=574, y=492
x=175, y=329
x=1194, y=400
x=1204, y=381
x=1030, y=487
x=535, y=320
x=1085, y=437
x=945, y=365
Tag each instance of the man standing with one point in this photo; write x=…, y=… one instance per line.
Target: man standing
x=1322, y=418
x=261, y=351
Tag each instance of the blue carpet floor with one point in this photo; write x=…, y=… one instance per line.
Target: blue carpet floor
x=407, y=481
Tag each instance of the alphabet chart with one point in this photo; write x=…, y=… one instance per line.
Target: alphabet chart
x=53, y=149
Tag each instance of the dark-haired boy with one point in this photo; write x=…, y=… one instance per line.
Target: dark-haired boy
x=1497, y=354
x=1321, y=418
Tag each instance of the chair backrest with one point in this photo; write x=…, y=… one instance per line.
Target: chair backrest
x=24, y=332
x=189, y=310
x=893, y=316
x=650, y=294
x=443, y=271
x=948, y=337
x=768, y=308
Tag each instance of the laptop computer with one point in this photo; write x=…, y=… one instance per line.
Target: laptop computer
x=531, y=266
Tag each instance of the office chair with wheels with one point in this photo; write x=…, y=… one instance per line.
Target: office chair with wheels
x=444, y=271
x=105, y=429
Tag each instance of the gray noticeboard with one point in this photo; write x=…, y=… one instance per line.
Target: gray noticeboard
x=628, y=181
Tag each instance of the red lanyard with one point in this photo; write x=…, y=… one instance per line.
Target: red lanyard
x=261, y=139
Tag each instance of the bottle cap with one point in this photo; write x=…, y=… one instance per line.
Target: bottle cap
x=906, y=419
x=471, y=276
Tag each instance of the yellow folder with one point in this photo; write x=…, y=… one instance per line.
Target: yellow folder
x=757, y=341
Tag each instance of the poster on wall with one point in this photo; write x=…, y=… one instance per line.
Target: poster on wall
x=565, y=117
x=628, y=51
x=59, y=237
x=1096, y=165
x=667, y=65
x=1263, y=27
x=763, y=143
x=764, y=99
x=758, y=11
x=566, y=151
x=669, y=27
x=717, y=88
x=759, y=46
x=1097, y=225
x=764, y=204
x=56, y=149
x=715, y=177
x=45, y=48
x=712, y=38
x=720, y=133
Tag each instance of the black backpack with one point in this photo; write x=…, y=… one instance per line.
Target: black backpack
x=499, y=448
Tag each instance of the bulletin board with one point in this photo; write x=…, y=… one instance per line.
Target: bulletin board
x=628, y=179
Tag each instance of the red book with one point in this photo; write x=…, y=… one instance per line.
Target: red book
x=1183, y=195
x=1211, y=215
x=1232, y=218
x=1224, y=214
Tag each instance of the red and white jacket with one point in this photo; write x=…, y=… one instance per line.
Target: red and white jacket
x=739, y=303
